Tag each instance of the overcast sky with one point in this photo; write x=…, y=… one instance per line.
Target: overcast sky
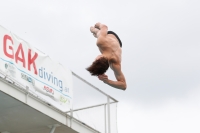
x=161, y=44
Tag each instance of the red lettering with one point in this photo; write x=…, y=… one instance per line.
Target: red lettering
x=7, y=37
x=19, y=55
x=48, y=89
x=20, y=50
x=32, y=61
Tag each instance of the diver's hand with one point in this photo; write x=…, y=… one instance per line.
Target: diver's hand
x=103, y=78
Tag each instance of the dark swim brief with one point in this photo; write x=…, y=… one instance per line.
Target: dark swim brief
x=111, y=32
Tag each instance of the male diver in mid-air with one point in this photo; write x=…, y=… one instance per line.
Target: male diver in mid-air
x=110, y=47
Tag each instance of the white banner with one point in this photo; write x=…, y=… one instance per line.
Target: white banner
x=34, y=69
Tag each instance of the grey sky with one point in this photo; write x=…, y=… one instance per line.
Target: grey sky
x=160, y=53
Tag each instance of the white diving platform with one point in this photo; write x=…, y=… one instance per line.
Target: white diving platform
x=24, y=112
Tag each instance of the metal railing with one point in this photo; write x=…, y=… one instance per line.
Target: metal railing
x=106, y=105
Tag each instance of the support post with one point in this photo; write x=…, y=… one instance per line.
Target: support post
x=53, y=129
x=105, y=118
x=71, y=114
x=108, y=103
x=27, y=93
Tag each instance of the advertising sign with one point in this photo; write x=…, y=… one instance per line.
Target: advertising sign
x=34, y=69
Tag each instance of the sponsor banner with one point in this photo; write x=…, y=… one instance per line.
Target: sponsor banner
x=34, y=69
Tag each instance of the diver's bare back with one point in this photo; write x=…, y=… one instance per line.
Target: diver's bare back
x=110, y=46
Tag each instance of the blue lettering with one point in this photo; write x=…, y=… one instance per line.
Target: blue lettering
x=41, y=73
x=44, y=74
x=55, y=79
x=49, y=77
x=60, y=84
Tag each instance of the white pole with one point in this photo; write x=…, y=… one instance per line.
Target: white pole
x=53, y=129
x=105, y=117
x=108, y=114
x=71, y=114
